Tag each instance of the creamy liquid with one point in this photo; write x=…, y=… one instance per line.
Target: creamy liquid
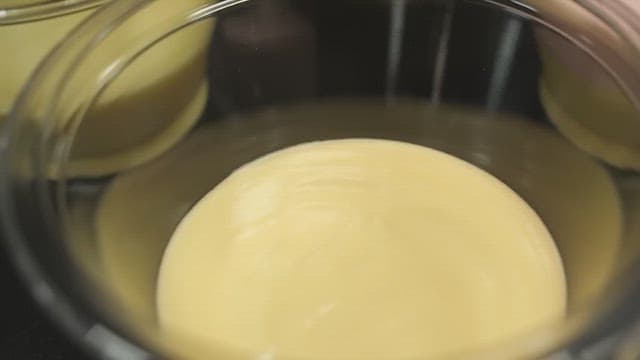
x=594, y=114
x=147, y=108
x=580, y=96
x=360, y=248
x=19, y=61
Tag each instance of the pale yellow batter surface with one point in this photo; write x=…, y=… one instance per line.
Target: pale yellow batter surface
x=360, y=249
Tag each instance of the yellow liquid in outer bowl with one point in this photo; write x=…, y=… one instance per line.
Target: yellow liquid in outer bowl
x=24, y=46
x=580, y=97
x=22, y=3
x=149, y=107
x=17, y=3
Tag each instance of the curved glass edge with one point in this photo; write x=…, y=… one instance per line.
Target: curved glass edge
x=86, y=329
x=617, y=330
x=45, y=10
x=621, y=15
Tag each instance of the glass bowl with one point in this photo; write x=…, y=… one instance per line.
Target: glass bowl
x=150, y=103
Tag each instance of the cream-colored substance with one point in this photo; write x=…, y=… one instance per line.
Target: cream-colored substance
x=580, y=96
x=139, y=210
x=24, y=45
x=589, y=109
x=145, y=110
x=360, y=248
x=20, y=3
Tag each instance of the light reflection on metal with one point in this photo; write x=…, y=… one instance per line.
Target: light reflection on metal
x=394, y=51
x=503, y=63
x=442, y=55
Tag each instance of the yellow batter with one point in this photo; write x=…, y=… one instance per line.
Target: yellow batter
x=360, y=248
x=581, y=98
x=149, y=106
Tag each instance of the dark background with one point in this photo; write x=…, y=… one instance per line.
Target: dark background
x=25, y=332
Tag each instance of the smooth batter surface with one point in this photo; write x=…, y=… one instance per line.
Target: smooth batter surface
x=357, y=249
